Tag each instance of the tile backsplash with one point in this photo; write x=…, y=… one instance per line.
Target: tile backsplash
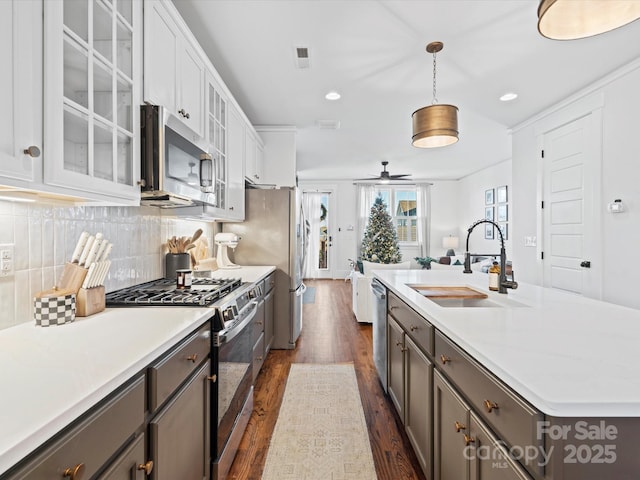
x=44, y=238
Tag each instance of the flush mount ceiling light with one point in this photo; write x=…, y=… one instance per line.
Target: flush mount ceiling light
x=332, y=95
x=435, y=125
x=571, y=19
x=507, y=97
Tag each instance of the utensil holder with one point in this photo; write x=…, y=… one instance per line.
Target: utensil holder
x=90, y=301
x=54, y=307
x=174, y=262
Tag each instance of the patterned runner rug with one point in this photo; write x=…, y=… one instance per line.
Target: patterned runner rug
x=321, y=432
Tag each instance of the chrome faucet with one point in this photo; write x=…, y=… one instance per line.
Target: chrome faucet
x=503, y=283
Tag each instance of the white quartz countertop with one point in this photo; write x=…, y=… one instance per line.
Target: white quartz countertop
x=52, y=375
x=567, y=355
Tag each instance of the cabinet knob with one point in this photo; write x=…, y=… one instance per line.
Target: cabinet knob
x=193, y=358
x=142, y=182
x=399, y=344
x=393, y=307
x=75, y=473
x=255, y=175
x=468, y=439
x=404, y=349
x=413, y=328
x=459, y=427
x=444, y=359
x=230, y=208
x=212, y=378
x=181, y=112
x=147, y=467
x=259, y=359
x=32, y=151
x=259, y=322
x=490, y=406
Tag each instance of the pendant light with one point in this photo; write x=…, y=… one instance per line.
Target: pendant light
x=435, y=125
x=571, y=19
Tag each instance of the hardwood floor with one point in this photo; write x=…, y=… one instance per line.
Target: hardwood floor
x=330, y=334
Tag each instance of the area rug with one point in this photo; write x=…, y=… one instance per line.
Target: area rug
x=309, y=295
x=321, y=432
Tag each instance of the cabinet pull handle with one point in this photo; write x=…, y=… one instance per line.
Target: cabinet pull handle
x=32, y=151
x=182, y=112
x=399, y=344
x=489, y=405
x=193, y=358
x=230, y=208
x=468, y=439
x=259, y=359
x=75, y=473
x=404, y=349
x=213, y=378
x=444, y=359
x=187, y=115
x=259, y=322
x=413, y=328
x=459, y=427
x=147, y=467
x=393, y=307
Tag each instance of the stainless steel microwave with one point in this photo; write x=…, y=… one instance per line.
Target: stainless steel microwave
x=175, y=171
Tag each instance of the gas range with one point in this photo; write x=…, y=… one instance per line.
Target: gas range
x=204, y=292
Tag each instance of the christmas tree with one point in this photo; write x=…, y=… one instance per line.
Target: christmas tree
x=380, y=242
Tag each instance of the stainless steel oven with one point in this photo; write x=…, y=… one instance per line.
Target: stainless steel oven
x=232, y=396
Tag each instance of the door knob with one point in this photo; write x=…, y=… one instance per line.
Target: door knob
x=585, y=264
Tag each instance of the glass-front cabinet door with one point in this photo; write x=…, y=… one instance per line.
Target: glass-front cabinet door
x=217, y=136
x=92, y=93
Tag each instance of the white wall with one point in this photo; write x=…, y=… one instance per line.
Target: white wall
x=472, y=207
x=44, y=239
x=620, y=178
x=445, y=211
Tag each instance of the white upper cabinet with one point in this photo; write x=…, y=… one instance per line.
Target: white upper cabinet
x=174, y=73
x=21, y=92
x=235, y=162
x=254, y=156
x=216, y=120
x=92, y=80
x=279, y=155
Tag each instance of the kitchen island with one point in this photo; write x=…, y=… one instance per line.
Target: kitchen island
x=51, y=376
x=567, y=365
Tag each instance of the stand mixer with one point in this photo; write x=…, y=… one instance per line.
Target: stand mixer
x=224, y=241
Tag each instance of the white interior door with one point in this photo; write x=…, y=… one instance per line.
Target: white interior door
x=571, y=214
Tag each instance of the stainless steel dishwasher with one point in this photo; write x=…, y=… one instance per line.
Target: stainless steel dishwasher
x=379, y=321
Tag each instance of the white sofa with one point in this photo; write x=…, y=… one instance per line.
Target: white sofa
x=362, y=300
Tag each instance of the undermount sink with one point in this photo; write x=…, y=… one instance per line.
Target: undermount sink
x=462, y=297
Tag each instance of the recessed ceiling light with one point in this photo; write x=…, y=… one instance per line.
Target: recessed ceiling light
x=332, y=95
x=507, y=97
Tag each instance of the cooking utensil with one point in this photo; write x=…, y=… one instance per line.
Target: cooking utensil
x=196, y=236
x=75, y=257
x=89, y=277
x=86, y=250
x=91, y=257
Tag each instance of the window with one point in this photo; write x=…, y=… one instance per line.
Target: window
x=402, y=204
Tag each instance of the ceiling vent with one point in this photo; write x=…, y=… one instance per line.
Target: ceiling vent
x=328, y=124
x=301, y=57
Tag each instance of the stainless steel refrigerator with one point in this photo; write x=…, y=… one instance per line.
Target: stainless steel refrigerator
x=275, y=232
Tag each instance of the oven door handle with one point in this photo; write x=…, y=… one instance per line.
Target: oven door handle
x=249, y=314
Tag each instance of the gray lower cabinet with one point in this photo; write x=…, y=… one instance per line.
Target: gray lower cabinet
x=409, y=386
x=88, y=446
x=179, y=432
x=268, y=315
x=130, y=464
x=257, y=337
x=464, y=447
x=450, y=425
x=395, y=379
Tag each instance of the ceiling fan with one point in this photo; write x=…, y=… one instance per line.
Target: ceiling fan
x=386, y=177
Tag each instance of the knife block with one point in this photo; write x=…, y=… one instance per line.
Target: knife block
x=72, y=277
x=90, y=301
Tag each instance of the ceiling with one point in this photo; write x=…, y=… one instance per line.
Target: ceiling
x=373, y=54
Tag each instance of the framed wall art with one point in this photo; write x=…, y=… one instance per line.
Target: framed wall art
x=501, y=194
x=503, y=213
x=488, y=231
x=488, y=197
x=488, y=213
x=504, y=227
